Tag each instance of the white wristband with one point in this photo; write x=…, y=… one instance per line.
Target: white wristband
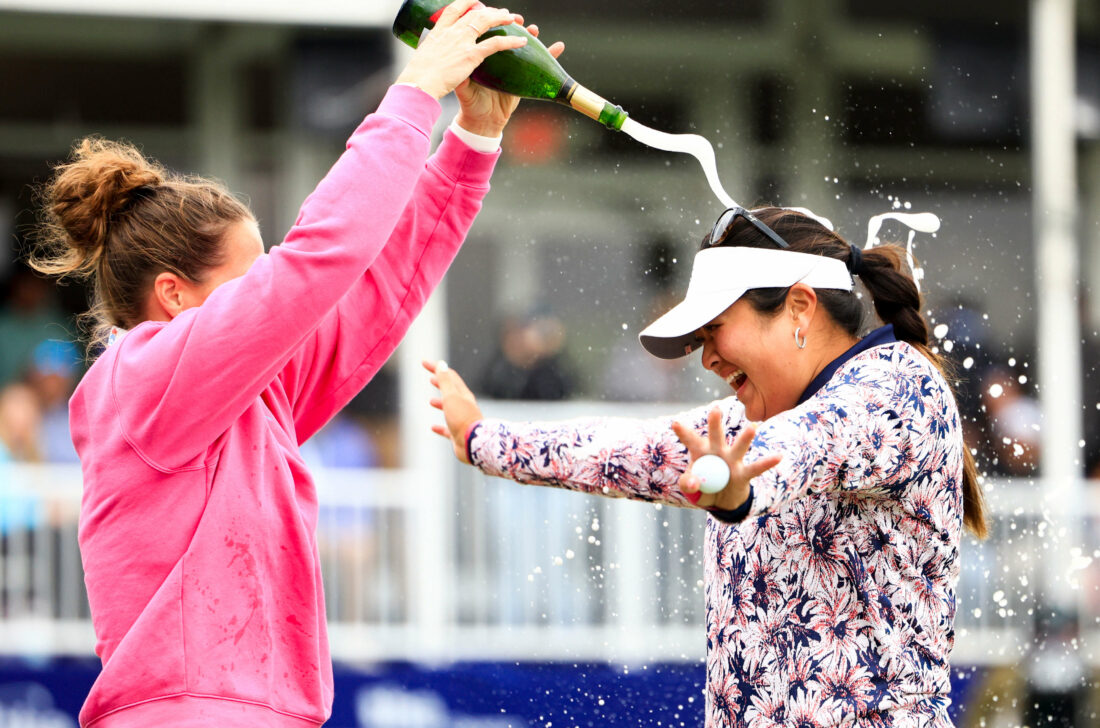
x=477, y=142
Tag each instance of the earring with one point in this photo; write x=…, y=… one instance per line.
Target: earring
x=800, y=343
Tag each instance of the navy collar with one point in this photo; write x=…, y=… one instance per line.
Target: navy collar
x=878, y=337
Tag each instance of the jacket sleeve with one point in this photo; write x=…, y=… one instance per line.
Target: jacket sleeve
x=179, y=385
x=360, y=334
x=615, y=457
x=870, y=430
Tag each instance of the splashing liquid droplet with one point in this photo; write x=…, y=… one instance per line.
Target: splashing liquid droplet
x=692, y=144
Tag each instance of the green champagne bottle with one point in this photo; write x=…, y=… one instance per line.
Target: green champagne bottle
x=529, y=71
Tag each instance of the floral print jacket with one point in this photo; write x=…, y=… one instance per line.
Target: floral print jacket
x=833, y=602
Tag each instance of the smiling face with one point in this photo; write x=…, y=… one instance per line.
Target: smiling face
x=756, y=355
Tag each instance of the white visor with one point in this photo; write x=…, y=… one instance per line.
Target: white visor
x=720, y=276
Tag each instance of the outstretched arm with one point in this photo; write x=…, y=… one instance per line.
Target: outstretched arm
x=611, y=456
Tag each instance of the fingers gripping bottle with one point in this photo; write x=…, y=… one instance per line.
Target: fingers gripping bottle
x=529, y=71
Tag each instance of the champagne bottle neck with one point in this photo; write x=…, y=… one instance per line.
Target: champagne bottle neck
x=591, y=104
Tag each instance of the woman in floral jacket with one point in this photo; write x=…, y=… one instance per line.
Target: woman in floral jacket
x=831, y=555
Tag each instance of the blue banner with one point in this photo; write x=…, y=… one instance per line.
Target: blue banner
x=48, y=694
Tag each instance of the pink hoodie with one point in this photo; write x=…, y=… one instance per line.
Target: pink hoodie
x=198, y=523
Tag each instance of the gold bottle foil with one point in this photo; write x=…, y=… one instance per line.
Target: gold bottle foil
x=586, y=102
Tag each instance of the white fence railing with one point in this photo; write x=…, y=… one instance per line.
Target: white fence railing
x=529, y=573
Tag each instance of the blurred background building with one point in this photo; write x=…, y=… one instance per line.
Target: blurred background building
x=849, y=107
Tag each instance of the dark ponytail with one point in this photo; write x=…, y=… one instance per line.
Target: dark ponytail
x=885, y=274
x=897, y=301
x=894, y=294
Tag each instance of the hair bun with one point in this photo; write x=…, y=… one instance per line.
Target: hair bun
x=101, y=179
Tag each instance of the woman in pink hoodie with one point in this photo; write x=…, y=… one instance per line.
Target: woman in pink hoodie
x=198, y=522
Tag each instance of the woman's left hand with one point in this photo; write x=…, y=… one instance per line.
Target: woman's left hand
x=736, y=491
x=458, y=404
x=485, y=111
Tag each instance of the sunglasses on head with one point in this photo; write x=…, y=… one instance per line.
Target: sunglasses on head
x=725, y=222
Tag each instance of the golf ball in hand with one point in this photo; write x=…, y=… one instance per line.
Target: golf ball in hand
x=712, y=472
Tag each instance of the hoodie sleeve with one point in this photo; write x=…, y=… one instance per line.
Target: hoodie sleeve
x=179, y=385
x=611, y=456
x=359, y=335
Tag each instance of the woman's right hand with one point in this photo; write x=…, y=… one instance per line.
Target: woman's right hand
x=458, y=403
x=451, y=51
x=736, y=491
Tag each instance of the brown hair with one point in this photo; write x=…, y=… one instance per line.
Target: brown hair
x=113, y=216
x=894, y=295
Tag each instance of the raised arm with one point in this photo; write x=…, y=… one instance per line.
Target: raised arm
x=360, y=334
x=205, y=367
x=202, y=369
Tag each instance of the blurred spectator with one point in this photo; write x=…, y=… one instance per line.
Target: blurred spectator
x=346, y=536
x=1090, y=392
x=52, y=374
x=20, y=424
x=343, y=443
x=375, y=410
x=632, y=375
x=365, y=434
x=21, y=509
x=530, y=362
x=966, y=346
x=30, y=315
x=1013, y=418
x=1091, y=399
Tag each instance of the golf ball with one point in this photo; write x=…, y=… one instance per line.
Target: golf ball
x=713, y=473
